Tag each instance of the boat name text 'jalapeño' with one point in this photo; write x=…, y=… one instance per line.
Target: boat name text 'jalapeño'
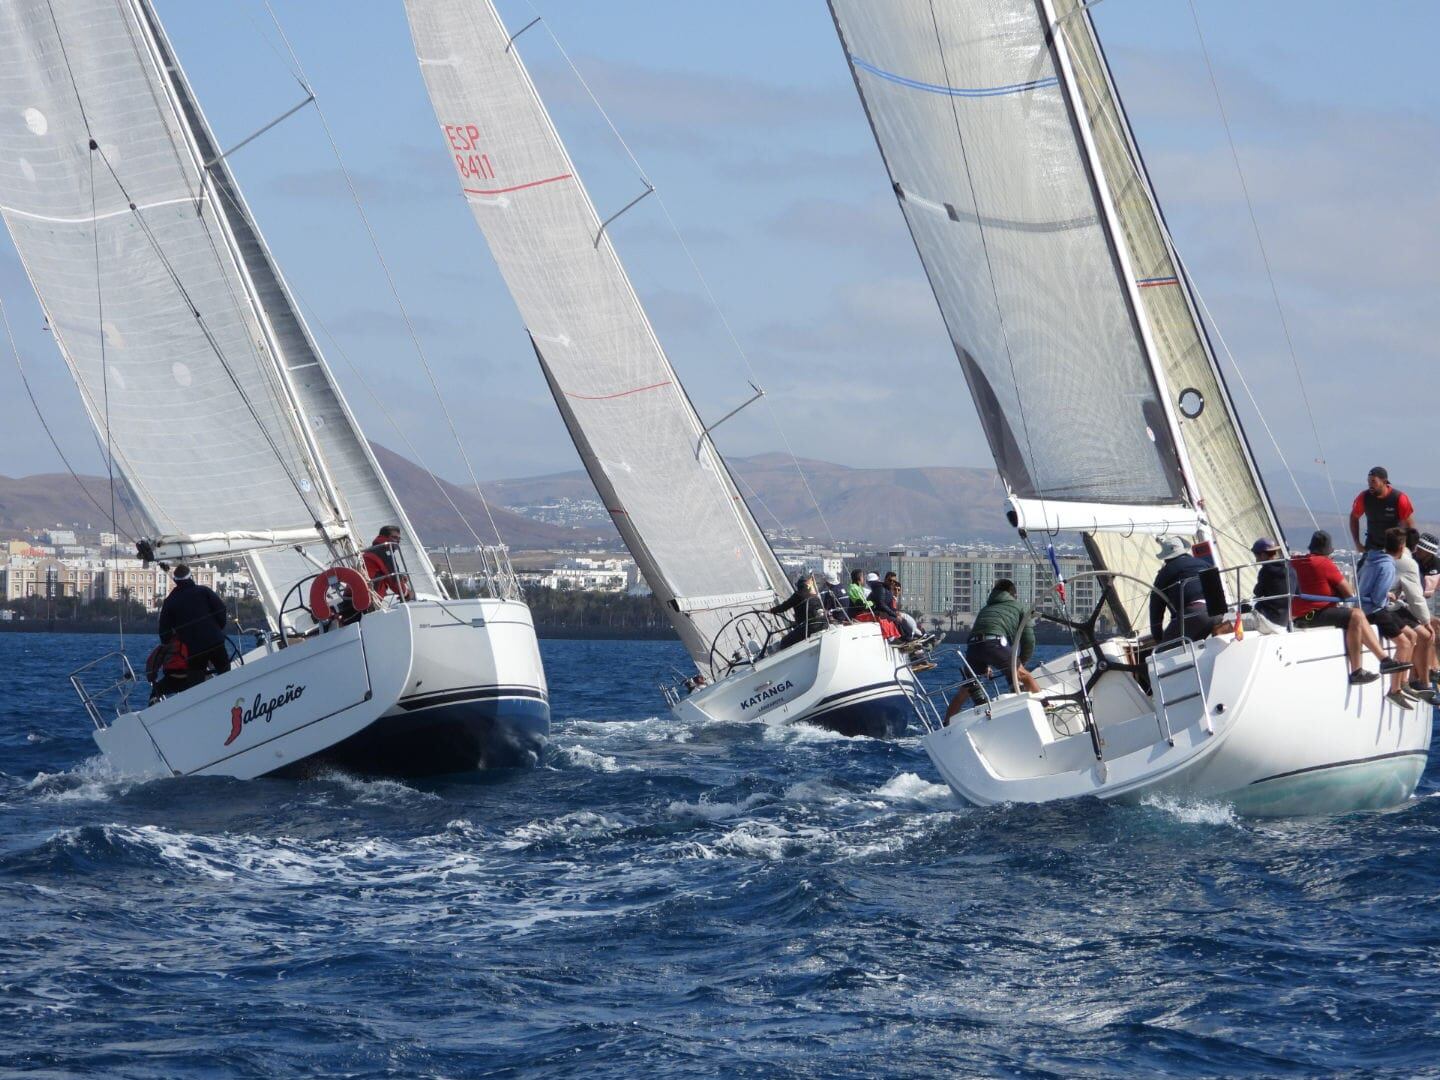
x=766, y=694
x=260, y=708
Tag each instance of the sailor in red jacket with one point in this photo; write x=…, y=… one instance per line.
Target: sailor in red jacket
x=380, y=567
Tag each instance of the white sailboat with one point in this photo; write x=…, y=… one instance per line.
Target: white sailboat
x=205, y=384
x=647, y=452
x=1078, y=333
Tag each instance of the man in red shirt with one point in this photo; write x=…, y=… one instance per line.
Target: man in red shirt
x=1319, y=577
x=1383, y=507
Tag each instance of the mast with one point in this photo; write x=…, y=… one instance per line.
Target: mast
x=1121, y=252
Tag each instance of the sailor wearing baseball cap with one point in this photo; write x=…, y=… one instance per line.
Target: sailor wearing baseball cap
x=1275, y=583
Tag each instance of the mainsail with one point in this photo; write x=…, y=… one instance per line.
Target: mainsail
x=1042, y=241
x=188, y=350
x=648, y=454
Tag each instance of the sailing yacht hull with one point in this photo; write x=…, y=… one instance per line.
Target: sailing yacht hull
x=1268, y=724
x=423, y=688
x=847, y=680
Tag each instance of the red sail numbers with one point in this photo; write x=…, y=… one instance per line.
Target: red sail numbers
x=469, y=159
x=477, y=172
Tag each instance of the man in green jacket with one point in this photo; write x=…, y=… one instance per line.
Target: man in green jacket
x=996, y=628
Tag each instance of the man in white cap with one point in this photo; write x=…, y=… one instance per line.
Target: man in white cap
x=1178, y=591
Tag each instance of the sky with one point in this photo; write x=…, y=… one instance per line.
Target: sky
x=744, y=118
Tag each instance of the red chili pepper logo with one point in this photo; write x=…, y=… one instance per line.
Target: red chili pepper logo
x=237, y=724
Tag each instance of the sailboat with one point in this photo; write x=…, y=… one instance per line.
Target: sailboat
x=647, y=452
x=1078, y=333
x=215, y=405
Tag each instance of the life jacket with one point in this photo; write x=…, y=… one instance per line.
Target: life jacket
x=1381, y=512
x=385, y=577
x=166, y=659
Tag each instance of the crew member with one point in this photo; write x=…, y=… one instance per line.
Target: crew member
x=1319, y=577
x=997, y=626
x=1383, y=507
x=1178, y=590
x=809, y=612
x=380, y=567
x=1275, y=583
x=196, y=615
x=855, y=595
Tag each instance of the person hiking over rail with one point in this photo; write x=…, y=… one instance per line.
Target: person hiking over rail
x=997, y=626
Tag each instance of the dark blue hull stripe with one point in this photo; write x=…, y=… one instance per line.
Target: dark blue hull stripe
x=485, y=731
x=880, y=716
x=1342, y=764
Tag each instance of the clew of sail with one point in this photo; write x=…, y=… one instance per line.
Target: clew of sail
x=667, y=489
x=189, y=354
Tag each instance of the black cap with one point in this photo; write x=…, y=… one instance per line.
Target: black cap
x=1428, y=543
x=1320, y=543
x=1380, y=473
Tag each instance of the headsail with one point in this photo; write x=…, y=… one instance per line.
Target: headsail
x=163, y=299
x=1234, y=499
x=647, y=453
x=1049, y=275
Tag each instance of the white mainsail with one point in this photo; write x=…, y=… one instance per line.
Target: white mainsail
x=188, y=350
x=666, y=487
x=1041, y=238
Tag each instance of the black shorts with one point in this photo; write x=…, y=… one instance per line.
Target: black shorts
x=1386, y=624
x=1329, y=615
x=988, y=654
x=1403, y=617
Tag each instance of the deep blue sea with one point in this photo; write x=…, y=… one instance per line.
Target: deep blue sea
x=660, y=900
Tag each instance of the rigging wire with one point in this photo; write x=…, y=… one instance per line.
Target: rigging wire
x=1265, y=257
x=695, y=266
x=105, y=380
x=45, y=424
x=99, y=302
x=299, y=74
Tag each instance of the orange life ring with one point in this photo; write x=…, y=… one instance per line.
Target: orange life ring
x=339, y=577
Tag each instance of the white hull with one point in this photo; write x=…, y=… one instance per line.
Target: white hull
x=420, y=688
x=1269, y=724
x=847, y=679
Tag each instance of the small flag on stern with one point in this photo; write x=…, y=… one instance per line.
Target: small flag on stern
x=1059, y=577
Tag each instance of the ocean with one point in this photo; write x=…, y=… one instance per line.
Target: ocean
x=666, y=900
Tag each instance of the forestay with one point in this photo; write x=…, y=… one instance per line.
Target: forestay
x=991, y=173
x=666, y=487
x=189, y=355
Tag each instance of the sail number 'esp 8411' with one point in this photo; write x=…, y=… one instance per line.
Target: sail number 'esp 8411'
x=465, y=142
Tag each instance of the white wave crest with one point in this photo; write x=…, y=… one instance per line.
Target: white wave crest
x=93, y=780
x=906, y=787
x=717, y=811
x=567, y=828
x=581, y=758
x=1193, y=812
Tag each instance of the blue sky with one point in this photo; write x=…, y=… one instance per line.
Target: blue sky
x=745, y=118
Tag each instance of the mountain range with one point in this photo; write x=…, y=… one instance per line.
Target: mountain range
x=879, y=506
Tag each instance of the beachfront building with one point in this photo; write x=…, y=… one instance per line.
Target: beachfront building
x=956, y=585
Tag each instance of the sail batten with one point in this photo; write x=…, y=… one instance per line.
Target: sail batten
x=666, y=488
